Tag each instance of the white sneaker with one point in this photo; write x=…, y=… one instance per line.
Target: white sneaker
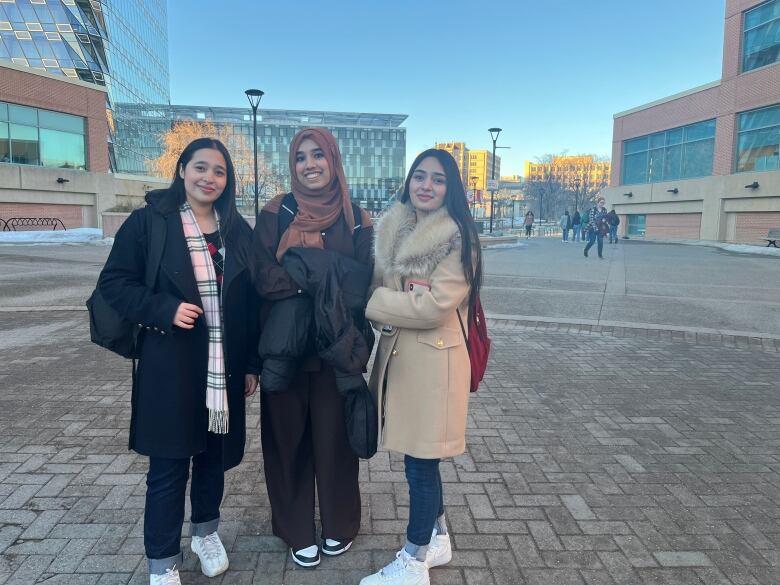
x=170, y=577
x=306, y=557
x=212, y=555
x=404, y=570
x=439, y=550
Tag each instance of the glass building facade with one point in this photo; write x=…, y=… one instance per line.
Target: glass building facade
x=373, y=146
x=120, y=44
x=31, y=136
x=679, y=153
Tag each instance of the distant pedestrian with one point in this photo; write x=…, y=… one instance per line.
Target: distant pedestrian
x=528, y=223
x=575, y=226
x=584, y=225
x=566, y=224
x=613, y=221
x=597, y=227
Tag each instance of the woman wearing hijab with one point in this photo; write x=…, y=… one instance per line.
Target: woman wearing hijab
x=303, y=429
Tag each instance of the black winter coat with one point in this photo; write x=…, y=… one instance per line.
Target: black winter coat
x=169, y=417
x=328, y=319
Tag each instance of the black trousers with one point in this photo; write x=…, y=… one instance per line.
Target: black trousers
x=305, y=444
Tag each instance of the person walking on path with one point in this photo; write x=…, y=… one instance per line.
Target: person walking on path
x=198, y=351
x=613, y=221
x=565, y=223
x=575, y=226
x=528, y=222
x=303, y=430
x=597, y=227
x=428, y=271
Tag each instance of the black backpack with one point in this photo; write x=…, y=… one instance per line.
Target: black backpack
x=109, y=329
x=289, y=210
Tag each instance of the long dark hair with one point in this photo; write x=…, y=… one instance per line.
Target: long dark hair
x=458, y=207
x=226, y=204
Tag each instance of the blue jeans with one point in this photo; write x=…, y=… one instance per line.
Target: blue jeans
x=565, y=234
x=166, y=483
x=594, y=235
x=575, y=232
x=426, y=502
x=613, y=233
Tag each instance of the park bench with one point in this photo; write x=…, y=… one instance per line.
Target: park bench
x=772, y=237
x=11, y=224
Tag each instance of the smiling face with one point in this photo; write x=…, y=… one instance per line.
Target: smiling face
x=428, y=185
x=205, y=177
x=311, y=165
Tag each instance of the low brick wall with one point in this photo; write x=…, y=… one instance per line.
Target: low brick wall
x=752, y=227
x=72, y=216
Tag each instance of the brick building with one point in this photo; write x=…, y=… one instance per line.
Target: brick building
x=54, y=157
x=705, y=163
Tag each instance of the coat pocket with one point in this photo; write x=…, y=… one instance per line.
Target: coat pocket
x=441, y=338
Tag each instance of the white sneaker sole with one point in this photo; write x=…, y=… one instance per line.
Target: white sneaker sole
x=300, y=563
x=335, y=553
x=203, y=570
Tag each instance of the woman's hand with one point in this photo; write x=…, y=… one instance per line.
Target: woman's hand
x=251, y=383
x=186, y=314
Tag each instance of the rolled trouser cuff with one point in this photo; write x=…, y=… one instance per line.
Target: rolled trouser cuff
x=159, y=566
x=202, y=529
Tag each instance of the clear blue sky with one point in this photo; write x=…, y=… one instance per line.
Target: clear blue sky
x=551, y=73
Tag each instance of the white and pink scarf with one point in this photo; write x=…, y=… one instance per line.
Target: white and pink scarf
x=206, y=278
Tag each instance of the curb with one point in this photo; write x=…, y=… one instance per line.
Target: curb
x=698, y=335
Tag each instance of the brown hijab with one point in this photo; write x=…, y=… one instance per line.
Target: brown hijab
x=321, y=208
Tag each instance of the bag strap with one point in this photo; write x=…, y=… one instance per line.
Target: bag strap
x=463, y=329
x=289, y=210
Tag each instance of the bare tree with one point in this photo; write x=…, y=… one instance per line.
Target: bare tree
x=175, y=140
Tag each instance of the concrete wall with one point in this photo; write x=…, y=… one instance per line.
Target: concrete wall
x=719, y=200
x=27, y=191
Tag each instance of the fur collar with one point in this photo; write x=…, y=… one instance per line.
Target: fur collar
x=410, y=248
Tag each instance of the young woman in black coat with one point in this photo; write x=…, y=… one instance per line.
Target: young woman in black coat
x=198, y=347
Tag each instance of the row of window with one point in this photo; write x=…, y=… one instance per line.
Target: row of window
x=687, y=152
x=31, y=136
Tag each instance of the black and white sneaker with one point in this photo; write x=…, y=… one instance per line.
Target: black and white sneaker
x=333, y=548
x=306, y=557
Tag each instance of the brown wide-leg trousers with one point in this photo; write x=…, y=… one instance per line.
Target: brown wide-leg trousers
x=305, y=441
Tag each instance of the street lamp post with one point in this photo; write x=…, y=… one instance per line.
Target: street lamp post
x=473, y=194
x=254, y=95
x=576, y=192
x=494, y=132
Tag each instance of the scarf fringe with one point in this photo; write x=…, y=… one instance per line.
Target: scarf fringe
x=218, y=421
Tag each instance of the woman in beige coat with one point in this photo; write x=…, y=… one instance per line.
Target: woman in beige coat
x=428, y=270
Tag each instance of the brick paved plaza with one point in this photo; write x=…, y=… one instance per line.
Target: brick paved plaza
x=596, y=455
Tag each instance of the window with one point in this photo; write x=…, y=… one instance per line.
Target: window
x=761, y=36
x=758, y=140
x=679, y=153
x=636, y=226
x=30, y=136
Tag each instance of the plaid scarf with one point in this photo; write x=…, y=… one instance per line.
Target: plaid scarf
x=205, y=276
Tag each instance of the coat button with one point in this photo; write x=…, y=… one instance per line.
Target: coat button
x=394, y=352
x=440, y=342
x=162, y=332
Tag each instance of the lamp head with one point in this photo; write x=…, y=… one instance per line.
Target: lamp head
x=254, y=95
x=494, y=132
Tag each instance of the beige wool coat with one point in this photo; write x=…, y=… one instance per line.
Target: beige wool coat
x=420, y=379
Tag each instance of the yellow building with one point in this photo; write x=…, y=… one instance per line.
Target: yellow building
x=481, y=168
x=570, y=171
x=460, y=153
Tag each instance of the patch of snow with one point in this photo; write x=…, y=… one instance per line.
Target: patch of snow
x=92, y=236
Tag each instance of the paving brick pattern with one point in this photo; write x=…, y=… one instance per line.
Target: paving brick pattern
x=594, y=458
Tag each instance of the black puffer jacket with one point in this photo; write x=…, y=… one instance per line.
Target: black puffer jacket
x=328, y=320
